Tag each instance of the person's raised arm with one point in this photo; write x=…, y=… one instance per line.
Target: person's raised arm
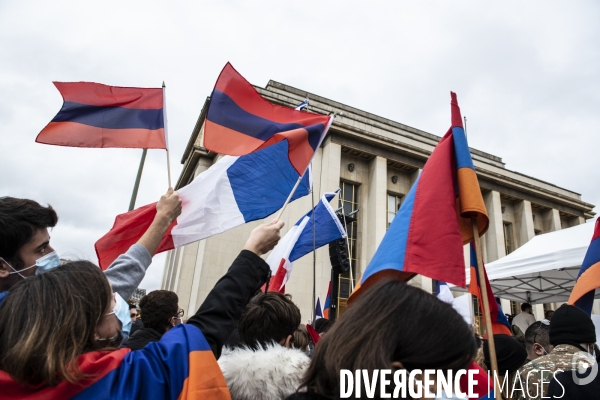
x=128, y=270
x=219, y=314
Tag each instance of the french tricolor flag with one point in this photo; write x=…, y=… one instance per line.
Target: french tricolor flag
x=235, y=190
x=299, y=240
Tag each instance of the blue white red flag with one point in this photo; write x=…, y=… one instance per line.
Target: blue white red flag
x=302, y=105
x=442, y=291
x=239, y=121
x=298, y=241
x=588, y=279
x=318, y=309
x=232, y=192
x=96, y=115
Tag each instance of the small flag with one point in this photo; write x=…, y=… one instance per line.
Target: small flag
x=500, y=325
x=327, y=305
x=239, y=121
x=588, y=279
x=230, y=193
x=434, y=222
x=96, y=115
x=298, y=241
x=302, y=105
x=483, y=385
x=442, y=291
x=318, y=310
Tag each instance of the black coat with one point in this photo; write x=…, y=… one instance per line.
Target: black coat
x=141, y=338
x=220, y=313
x=572, y=391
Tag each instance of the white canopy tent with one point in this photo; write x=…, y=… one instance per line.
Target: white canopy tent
x=544, y=269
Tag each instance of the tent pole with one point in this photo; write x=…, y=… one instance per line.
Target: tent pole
x=486, y=307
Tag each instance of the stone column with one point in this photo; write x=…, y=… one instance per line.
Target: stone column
x=524, y=221
x=551, y=221
x=494, y=237
x=376, y=218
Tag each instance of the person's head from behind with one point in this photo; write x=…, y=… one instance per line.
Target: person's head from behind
x=537, y=340
x=510, y=354
x=322, y=325
x=69, y=311
x=269, y=317
x=526, y=308
x=548, y=314
x=572, y=326
x=301, y=338
x=24, y=239
x=132, y=312
x=160, y=310
x=410, y=330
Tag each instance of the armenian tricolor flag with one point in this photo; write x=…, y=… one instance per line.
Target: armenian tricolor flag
x=179, y=366
x=588, y=279
x=327, y=305
x=96, y=115
x=239, y=121
x=500, y=325
x=434, y=221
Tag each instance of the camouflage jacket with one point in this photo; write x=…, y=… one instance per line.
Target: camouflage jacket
x=537, y=374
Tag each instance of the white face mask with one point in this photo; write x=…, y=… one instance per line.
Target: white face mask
x=43, y=264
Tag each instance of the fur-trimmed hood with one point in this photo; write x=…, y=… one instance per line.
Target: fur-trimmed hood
x=266, y=374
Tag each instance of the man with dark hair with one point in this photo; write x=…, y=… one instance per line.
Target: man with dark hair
x=265, y=365
x=537, y=340
x=160, y=310
x=132, y=312
x=548, y=314
x=573, y=334
x=524, y=319
x=322, y=325
x=25, y=247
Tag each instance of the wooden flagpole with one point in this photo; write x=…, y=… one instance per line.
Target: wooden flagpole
x=164, y=87
x=486, y=307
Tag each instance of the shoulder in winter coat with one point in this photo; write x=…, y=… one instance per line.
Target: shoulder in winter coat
x=266, y=374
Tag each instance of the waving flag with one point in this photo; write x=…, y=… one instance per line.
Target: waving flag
x=96, y=115
x=327, y=305
x=500, y=325
x=239, y=121
x=299, y=241
x=318, y=310
x=230, y=193
x=442, y=292
x=302, y=105
x=483, y=385
x=588, y=279
x=181, y=365
x=434, y=222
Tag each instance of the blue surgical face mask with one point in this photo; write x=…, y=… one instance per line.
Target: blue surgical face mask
x=43, y=264
x=121, y=311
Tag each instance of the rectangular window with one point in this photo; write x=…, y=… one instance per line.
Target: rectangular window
x=514, y=308
x=508, y=238
x=393, y=205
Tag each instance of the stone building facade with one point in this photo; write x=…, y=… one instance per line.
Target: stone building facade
x=375, y=161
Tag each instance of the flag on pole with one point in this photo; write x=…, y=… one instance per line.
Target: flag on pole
x=299, y=240
x=442, y=291
x=500, y=325
x=232, y=192
x=318, y=310
x=327, y=305
x=239, y=121
x=302, y=105
x=588, y=279
x=96, y=115
x=434, y=222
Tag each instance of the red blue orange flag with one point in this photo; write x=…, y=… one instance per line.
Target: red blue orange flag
x=588, y=279
x=96, y=115
x=240, y=121
x=181, y=365
x=500, y=325
x=434, y=222
x=327, y=305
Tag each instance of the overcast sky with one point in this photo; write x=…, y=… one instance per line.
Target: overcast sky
x=527, y=75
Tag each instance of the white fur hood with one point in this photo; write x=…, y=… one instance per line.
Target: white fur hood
x=269, y=374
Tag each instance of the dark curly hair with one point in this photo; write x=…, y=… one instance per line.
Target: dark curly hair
x=157, y=308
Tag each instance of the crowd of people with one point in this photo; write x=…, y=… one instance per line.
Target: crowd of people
x=66, y=330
